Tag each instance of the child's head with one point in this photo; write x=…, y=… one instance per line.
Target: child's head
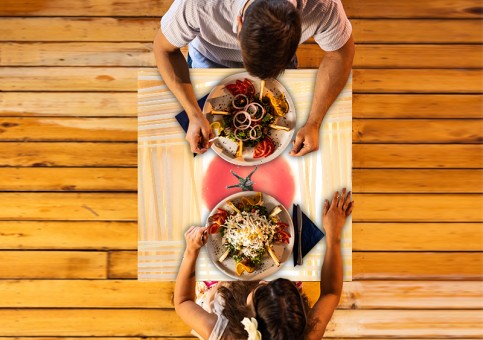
x=280, y=310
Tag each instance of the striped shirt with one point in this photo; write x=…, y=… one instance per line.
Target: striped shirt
x=210, y=28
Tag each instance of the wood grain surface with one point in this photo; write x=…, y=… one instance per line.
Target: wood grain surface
x=67, y=104
x=68, y=177
x=355, y=9
x=417, y=181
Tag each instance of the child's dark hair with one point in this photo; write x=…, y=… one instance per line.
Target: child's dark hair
x=235, y=295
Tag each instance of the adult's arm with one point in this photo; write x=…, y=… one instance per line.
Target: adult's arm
x=332, y=76
x=173, y=68
x=334, y=216
x=184, y=290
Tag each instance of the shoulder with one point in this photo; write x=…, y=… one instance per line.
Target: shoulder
x=321, y=6
x=195, y=6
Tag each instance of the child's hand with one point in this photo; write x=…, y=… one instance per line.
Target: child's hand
x=195, y=238
x=335, y=214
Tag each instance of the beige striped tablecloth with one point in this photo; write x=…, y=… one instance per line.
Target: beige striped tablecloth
x=171, y=180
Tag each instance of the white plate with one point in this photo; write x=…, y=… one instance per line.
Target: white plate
x=267, y=267
x=219, y=99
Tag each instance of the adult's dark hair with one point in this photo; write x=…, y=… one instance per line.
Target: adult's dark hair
x=269, y=37
x=235, y=309
x=281, y=311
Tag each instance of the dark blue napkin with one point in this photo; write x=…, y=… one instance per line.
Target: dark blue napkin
x=311, y=235
x=183, y=119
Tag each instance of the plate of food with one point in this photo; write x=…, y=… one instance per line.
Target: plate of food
x=253, y=120
x=250, y=235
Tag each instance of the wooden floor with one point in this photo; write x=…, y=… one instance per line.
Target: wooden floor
x=68, y=172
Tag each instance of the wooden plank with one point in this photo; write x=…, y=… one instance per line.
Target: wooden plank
x=417, y=131
x=125, y=79
x=68, y=179
x=418, y=208
x=416, y=156
x=416, y=106
x=417, y=181
x=428, y=56
x=401, y=56
x=123, y=265
x=135, y=294
x=60, y=104
x=68, y=206
x=417, y=31
x=354, y=8
x=309, y=55
x=77, y=54
x=417, y=81
x=136, y=322
x=413, y=9
x=404, y=294
x=410, y=294
x=417, y=237
x=68, y=79
x=84, y=8
x=68, y=235
x=79, y=29
x=68, y=154
x=52, y=265
x=86, y=294
x=411, y=31
x=68, y=129
x=85, y=322
x=418, y=266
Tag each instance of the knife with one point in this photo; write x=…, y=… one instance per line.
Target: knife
x=300, y=260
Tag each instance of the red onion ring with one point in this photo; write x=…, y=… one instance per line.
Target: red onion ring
x=253, y=114
x=242, y=124
x=235, y=98
x=254, y=129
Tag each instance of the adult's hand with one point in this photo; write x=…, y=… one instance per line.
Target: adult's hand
x=199, y=134
x=335, y=213
x=306, y=141
x=195, y=238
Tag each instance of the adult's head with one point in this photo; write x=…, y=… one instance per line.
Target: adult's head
x=280, y=309
x=269, y=34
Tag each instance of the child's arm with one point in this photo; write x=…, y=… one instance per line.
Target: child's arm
x=184, y=291
x=334, y=217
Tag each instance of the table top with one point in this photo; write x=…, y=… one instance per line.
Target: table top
x=177, y=190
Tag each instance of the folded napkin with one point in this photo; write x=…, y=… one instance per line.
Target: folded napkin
x=183, y=119
x=311, y=235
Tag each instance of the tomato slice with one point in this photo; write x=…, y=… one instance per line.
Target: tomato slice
x=270, y=146
x=233, y=89
x=222, y=212
x=269, y=150
x=282, y=225
x=250, y=87
x=284, y=234
x=260, y=149
x=213, y=228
